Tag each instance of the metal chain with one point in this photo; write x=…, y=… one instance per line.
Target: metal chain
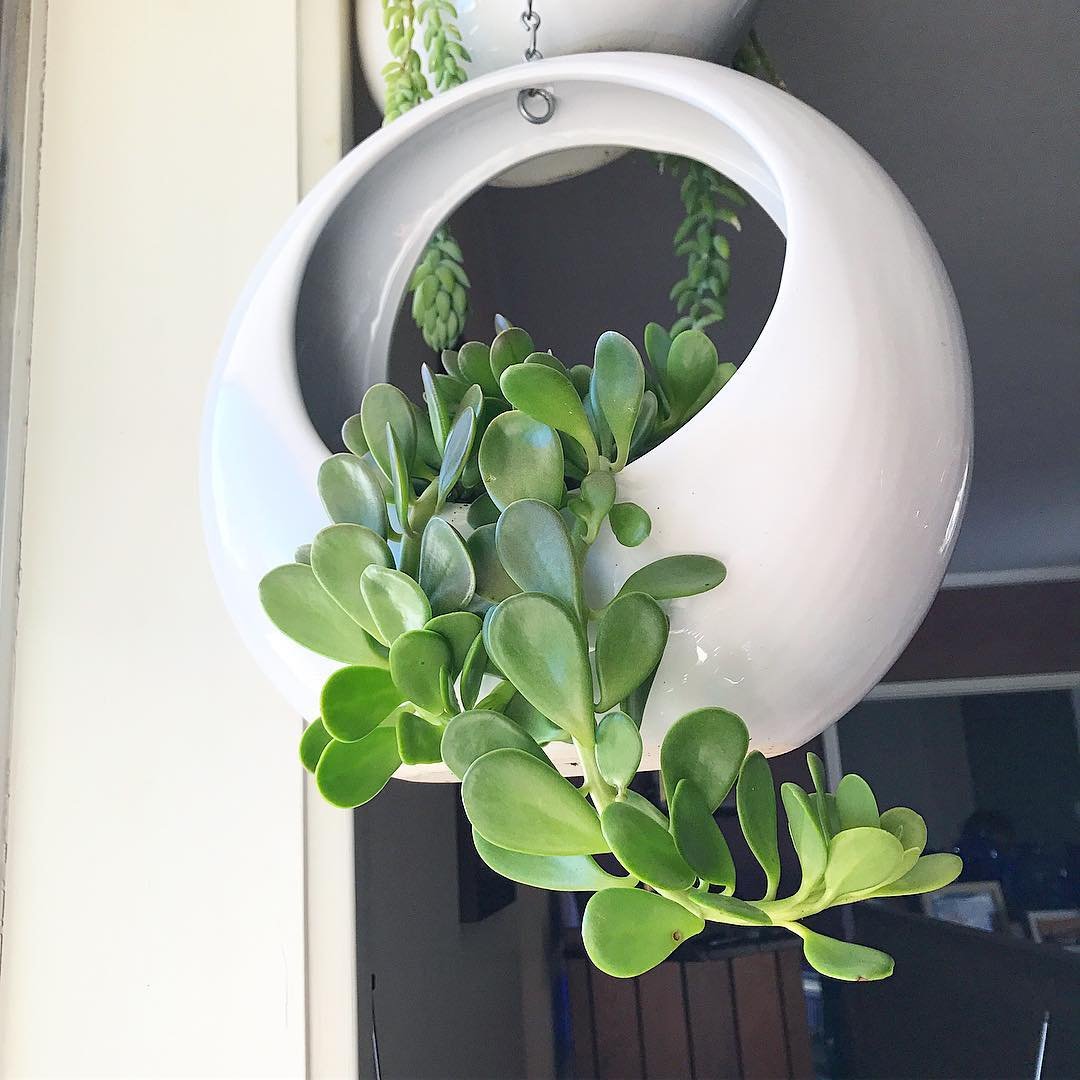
x=530, y=19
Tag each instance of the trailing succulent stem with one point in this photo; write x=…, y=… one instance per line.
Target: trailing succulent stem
x=710, y=201
x=450, y=586
x=439, y=284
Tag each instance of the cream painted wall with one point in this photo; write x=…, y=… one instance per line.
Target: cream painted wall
x=154, y=908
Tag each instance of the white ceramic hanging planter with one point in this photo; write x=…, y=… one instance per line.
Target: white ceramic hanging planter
x=492, y=32
x=829, y=475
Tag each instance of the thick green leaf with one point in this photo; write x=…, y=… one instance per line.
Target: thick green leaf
x=630, y=642
x=400, y=485
x=855, y=803
x=645, y=848
x=385, y=404
x=729, y=909
x=534, y=547
x=351, y=493
x=540, y=648
x=648, y=415
x=499, y=698
x=581, y=377
x=460, y=628
x=549, y=396
x=907, y=826
x=428, y=455
x=352, y=435
x=482, y=511
x=810, y=844
x=627, y=932
x=472, y=673
x=860, y=859
x=439, y=409
x=418, y=741
x=356, y=700
x=303, y=554
x=557, y=873
x=698, y=837
x=492, y=580
x=843, y=959
x=396, y=602
x=446, y=570
x=677, y=575
x=522, y=804
x=601, y=432
x=706, y=746
x=630, y=524
x=821, y=795
x=691, y=364
x=456, y=453
x=313, y=742
x=352, y=773
x=449, y=363
x=474, y=363
x=646, y=807
x=657, y=348
x=303, y=610
x=755, y=800
x=470, y=735
x=547, y=359
x=618, y=749
x=473, y=399
x=618, y=384
x=511, y=346
x=521, y=458
x=533, y=721
x=931, y=872
x=339, y=555
x=417, y=659
x=594, y=499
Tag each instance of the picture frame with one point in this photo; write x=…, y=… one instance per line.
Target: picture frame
x=979, y=905
x=1061, y=927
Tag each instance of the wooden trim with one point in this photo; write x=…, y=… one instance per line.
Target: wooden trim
x=710, y=1006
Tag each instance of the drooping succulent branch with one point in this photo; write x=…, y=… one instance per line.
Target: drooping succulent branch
x=447, y=55
x=439, y=284
x=406, y=85
x=709, y=199
x=450, y=584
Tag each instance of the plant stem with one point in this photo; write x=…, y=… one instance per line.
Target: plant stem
x=600, y=791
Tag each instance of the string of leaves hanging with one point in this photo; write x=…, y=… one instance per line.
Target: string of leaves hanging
x=439, y=285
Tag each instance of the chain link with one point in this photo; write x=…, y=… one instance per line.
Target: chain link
x=531, y=21
x=527, y=99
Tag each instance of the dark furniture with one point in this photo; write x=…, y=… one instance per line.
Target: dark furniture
x=962, y=1003
x=737, y=1012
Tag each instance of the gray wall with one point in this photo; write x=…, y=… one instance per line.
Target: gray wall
x=913, y=753
x=452, y=1000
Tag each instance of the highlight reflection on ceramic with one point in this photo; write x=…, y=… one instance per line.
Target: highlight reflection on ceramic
x=829, y=474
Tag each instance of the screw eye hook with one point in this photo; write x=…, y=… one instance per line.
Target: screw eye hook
x=526, y=97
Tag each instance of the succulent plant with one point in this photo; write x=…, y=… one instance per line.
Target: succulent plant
x=449, y=584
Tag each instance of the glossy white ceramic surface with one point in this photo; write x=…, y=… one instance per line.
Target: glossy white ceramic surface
x=495, y=38
x=829, y=475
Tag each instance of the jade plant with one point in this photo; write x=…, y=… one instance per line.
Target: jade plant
x=450, y=585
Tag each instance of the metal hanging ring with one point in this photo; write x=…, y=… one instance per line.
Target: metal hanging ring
x=525, y=96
